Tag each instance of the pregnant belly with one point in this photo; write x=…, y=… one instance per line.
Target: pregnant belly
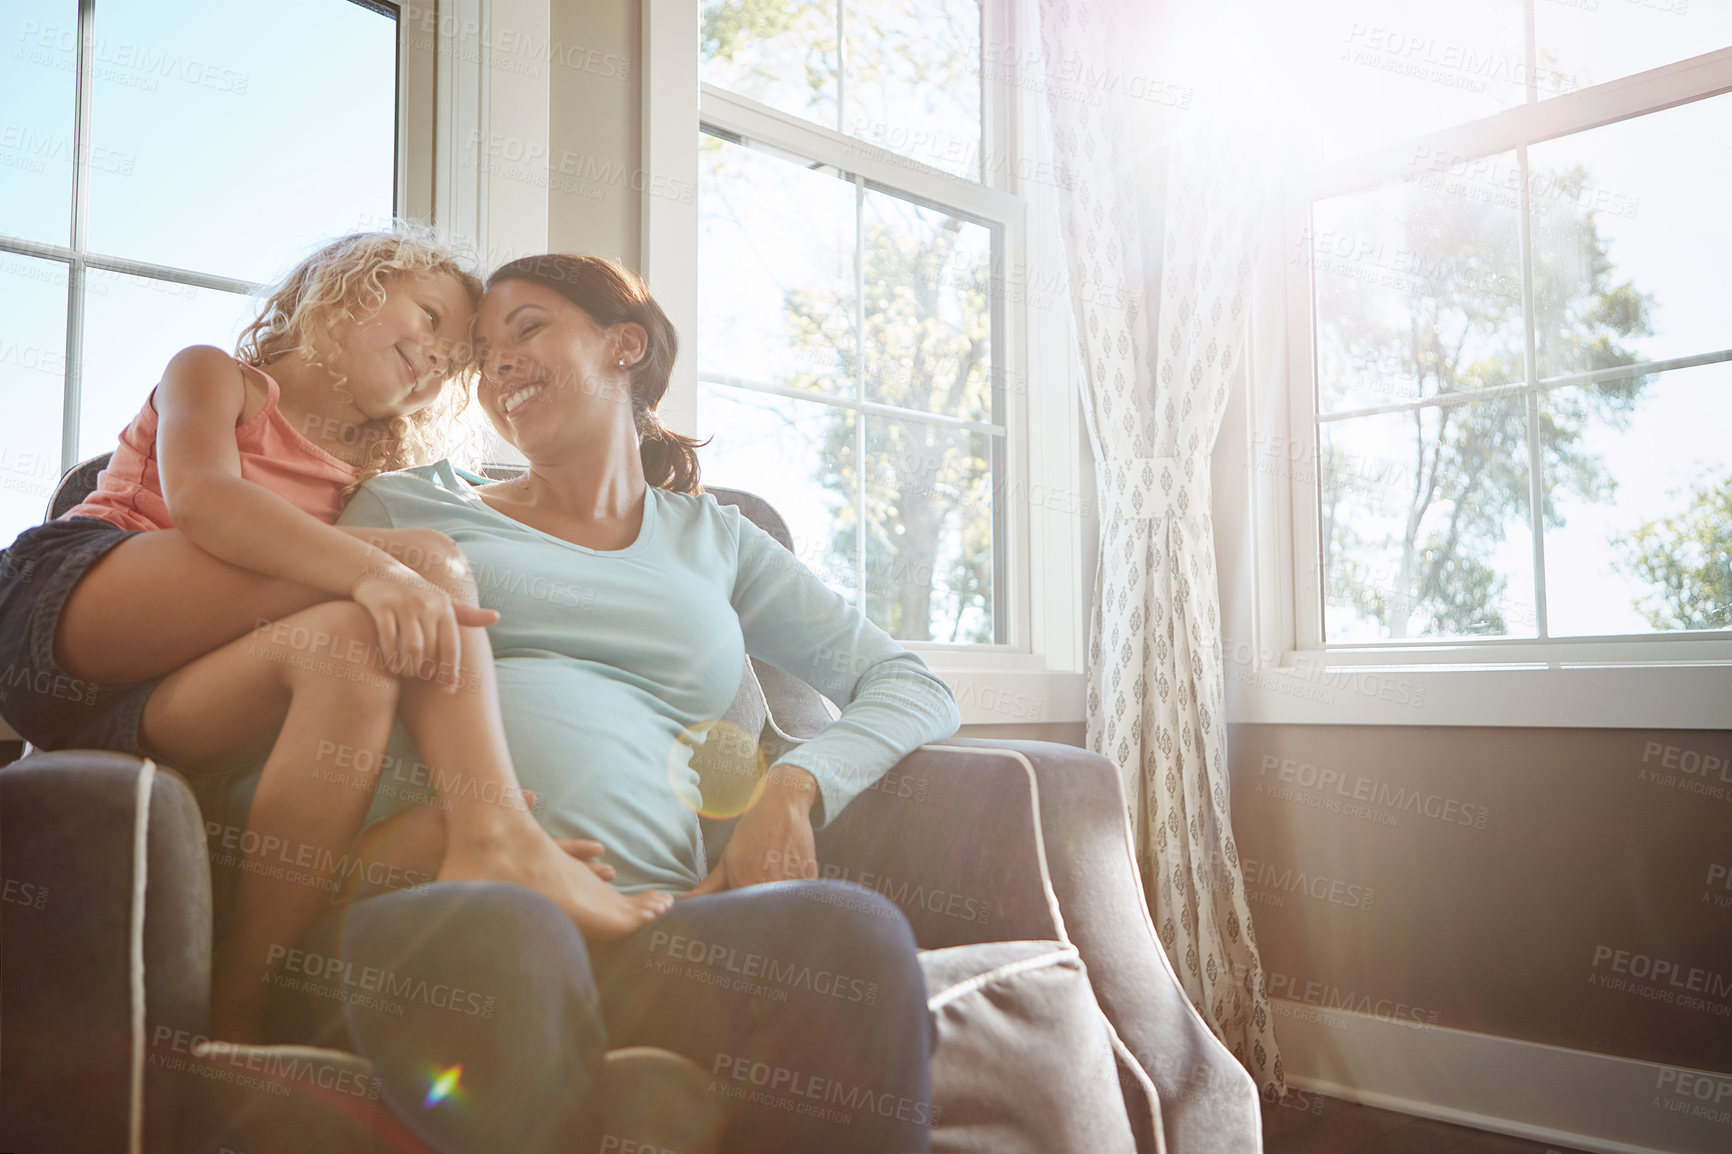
x=598, y=754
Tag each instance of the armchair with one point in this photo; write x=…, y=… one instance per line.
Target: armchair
x=105, y=970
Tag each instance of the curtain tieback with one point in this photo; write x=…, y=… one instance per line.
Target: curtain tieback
x=1150, y=488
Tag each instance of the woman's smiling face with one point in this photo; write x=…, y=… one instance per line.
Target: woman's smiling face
x=550, y=374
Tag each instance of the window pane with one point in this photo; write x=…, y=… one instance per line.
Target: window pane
x=1631, y=233
x=775, y=270
x=913, y=80
x=32, y=382
x=798, y=456
x=1639, y=486
x=1425, y=524
x=295, y=111
x=928, y=323
x=1385, y=70
x=132, y=326
x=929, y=531
x=780, y=52
x=38, y=90
x=1419, y=286
x=1600, y=40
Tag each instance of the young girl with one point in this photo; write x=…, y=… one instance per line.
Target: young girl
x=201, y=608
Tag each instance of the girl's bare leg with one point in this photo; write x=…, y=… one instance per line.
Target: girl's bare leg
x=196, y=603
x=291, y=688
x=307, y=708
x=489, y=833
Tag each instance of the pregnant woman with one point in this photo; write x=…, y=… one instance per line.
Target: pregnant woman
x=628, y=603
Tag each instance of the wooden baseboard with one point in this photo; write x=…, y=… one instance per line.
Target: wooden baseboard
x=1570, y=1098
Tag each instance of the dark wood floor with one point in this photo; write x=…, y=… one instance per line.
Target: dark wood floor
x=1307, y=1123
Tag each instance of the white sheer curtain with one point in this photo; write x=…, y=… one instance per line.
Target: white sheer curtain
x=1159, y=209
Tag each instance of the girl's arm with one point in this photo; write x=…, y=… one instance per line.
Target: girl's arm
x=199, y=402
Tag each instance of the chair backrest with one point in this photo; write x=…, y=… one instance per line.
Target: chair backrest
x=76, y=485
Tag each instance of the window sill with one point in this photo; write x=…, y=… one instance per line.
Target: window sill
x=1587, y=694
x=1004, y=694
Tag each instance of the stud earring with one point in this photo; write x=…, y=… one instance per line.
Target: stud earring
x=622, y=362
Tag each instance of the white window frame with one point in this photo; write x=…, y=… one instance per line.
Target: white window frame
x=1036, y=675
x=1282, y=672
x=413, y=196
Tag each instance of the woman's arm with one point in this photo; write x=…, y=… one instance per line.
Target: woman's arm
x=891, y=702
x=891, y=705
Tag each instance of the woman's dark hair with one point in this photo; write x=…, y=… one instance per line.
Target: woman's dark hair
x=612, y=294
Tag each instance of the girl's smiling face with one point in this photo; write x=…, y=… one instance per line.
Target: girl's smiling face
x=551, y=377
x=398, y=358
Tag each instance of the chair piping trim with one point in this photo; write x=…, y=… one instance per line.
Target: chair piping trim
x=1143, y=1079
x=1009, y=970
x=1039, y=836
x=135, y=947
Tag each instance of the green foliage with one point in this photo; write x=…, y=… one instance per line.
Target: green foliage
x=1687, y=561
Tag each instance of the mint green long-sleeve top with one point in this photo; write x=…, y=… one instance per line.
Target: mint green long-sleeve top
x=610, y=662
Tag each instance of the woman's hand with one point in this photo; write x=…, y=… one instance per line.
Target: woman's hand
x=773, y=842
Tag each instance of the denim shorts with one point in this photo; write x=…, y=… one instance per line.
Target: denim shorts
x=50, y=708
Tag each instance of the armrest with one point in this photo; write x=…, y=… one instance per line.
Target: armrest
x=106, y=945
x=950, y=836
x=956, y=818
x=1209, y=1103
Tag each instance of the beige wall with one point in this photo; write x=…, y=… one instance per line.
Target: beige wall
x=595, y=131
x=1516, y=882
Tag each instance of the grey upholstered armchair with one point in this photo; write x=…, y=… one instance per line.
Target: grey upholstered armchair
x=104, y=971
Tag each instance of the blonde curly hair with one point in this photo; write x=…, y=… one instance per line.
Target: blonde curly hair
x=346, y=281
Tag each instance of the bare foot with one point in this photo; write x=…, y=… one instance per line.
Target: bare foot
x=527, y=856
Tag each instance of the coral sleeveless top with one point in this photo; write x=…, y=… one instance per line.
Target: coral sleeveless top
x=129, y=493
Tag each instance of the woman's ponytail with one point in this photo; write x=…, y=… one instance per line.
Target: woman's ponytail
x=670, y=460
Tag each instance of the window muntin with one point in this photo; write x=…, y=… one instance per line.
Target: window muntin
x=902, y=75
x=1433, y=535
x=210, y=163
x=876, y=314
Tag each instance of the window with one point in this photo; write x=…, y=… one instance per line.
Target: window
x=853, y=313
x=158, y=162
x=1512, y=360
